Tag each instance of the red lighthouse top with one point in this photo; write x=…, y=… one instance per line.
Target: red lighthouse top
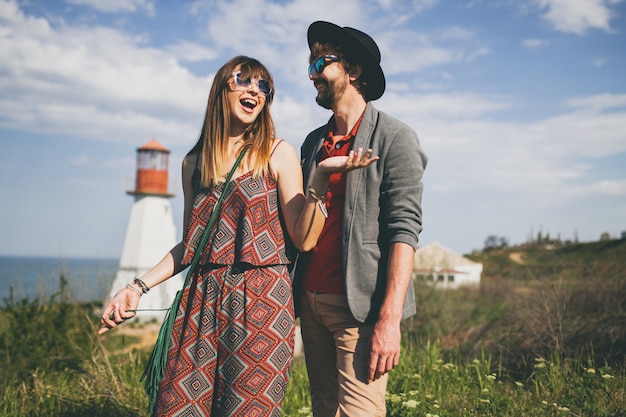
x=152, y=169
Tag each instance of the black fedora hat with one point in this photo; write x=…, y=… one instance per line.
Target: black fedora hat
x=359, y=45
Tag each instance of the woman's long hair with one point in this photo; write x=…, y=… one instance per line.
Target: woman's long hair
x=212, y=146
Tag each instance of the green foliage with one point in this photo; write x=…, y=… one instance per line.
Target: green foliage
x=297, y=398
x=543, y=336
x=533, y=302
x=430, y=382
x=427, y=382
x=52, y=335
x=53, y=364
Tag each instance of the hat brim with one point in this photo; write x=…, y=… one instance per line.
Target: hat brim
x=326, y=32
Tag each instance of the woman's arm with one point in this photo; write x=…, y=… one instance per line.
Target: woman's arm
x=122, y=305
x=304, y=212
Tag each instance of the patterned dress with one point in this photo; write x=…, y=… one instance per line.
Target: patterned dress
x=233, y=338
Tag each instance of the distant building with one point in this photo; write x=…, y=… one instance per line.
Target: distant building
x=151, y=232
x=436, y=264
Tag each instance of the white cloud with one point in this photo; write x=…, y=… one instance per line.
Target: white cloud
x=275, y=32
x=446, y=107
x=81, y=160
x=68, y=76
x=534, y=43
x=111, y=85
x=92, y=82
x=117, y=6
x=542, y=162
x=598, y=62
x=398, y=12
x=405, y=51
x=598, y=102
x=455, y=33
x=191, y=52
x=609, y=187
x=578, y=16
x=420, y=5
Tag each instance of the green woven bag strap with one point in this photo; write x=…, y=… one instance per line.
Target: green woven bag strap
x=214, y=214
x=155, y=368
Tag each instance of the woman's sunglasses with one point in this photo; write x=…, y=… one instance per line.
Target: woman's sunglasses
x=244, y=84
x=320, y=63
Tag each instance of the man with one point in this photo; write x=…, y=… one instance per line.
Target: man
x=355, y=285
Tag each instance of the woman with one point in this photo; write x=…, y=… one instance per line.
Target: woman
x=233, y=337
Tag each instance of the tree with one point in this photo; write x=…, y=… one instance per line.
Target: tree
x=495, y=242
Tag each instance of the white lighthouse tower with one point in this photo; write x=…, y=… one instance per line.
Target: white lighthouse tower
x=151, y=232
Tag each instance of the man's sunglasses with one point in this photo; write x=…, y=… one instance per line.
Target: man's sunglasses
x=320, y=63
x=244, y=84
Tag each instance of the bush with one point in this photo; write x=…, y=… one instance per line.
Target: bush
x=53, y=364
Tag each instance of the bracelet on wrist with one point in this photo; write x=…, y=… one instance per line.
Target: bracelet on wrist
x=137, y=290
x=320, y=199
x=316, y=196
x=142, y=285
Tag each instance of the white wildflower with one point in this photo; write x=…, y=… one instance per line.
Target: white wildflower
x=410, y=404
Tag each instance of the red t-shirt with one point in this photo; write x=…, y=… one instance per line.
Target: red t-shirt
x=324, y=272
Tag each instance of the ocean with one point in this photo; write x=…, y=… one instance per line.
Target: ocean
x=35, y=277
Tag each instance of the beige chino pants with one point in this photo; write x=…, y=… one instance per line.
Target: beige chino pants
x=337, y=351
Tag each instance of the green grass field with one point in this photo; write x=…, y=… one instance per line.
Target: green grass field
x=544, y=335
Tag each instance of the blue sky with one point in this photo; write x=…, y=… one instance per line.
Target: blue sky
x=520, y=105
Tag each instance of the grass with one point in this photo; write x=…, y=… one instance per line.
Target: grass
x=546, y=337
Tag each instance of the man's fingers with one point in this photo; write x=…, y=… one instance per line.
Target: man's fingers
x=373, y=367
x=359, y=159
x=383, y=365
x=380, y=365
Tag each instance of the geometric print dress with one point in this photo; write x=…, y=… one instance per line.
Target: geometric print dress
x=232, y=342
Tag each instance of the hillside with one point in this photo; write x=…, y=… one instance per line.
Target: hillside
x=533, y=302
x=544, y=335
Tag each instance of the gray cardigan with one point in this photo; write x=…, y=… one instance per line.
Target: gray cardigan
x=382, y=206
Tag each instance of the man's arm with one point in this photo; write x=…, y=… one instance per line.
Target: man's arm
x=385, y=342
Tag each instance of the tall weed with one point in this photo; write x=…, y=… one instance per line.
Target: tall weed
x=544, y=338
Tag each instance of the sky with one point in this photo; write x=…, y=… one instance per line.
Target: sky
x=519, y=104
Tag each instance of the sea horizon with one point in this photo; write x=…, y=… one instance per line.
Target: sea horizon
x=25, y=276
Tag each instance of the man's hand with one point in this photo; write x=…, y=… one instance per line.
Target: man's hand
x=385, y=348
x=354, y=160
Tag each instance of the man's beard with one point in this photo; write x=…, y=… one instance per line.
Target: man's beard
x=329, y=95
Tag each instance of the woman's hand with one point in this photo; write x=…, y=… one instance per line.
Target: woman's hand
x=121, y=308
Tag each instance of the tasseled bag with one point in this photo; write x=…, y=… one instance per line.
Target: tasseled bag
x=155, y=368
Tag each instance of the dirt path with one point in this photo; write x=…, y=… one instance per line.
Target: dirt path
x=147, y=334
x=517, y=258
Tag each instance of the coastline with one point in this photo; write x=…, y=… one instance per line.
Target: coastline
x=88, y=279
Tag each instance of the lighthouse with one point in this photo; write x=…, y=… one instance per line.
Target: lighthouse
x=151, y=232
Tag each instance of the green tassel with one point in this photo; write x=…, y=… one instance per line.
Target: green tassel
x=155, y=368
